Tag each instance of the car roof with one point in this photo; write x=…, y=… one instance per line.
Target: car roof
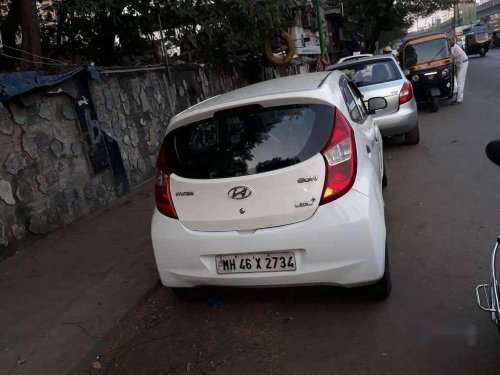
x=424, y=38
x=355, y=57
x=298, y=87
x=361, y=60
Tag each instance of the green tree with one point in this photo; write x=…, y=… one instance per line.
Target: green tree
x=388, y=15
x=223, y=29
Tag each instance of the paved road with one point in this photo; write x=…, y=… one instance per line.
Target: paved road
x=443, y=214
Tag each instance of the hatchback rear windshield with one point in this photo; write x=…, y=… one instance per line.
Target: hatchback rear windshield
x=249, y=141
x=371, y=73
x=426, y=51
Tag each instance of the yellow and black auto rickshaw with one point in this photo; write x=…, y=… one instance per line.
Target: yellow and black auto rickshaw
x=428, y=64
x=477, y=43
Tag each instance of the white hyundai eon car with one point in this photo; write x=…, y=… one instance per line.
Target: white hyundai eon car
x=275, y=184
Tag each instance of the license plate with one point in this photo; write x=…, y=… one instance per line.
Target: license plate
x=255, y=262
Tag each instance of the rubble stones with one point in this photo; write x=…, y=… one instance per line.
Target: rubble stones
x=30, y=147
x=126, y=107
x=68, y=112
x=18, y=231
x=108, y=180
x=142, y=166
x=123, y=121
x=158, y=97
x=88, y=190
x=70, y=195
x=6, y=125
x=6, y=192
x=52, y=177
x=60, y=200
x=44, y=110
x=102, y=195
x=39, y=226
x=108, y=100
x=24, y=193
x=117, y=129
x=152, y=160
x=43, y=186
x=52, y=215
x=123, y=96
x=57, y=148
x=146, y=106
x=134, y=138
x=42, y=141
x=76, y=149
x=4, y=241
x=14, y=164
x=19, y=113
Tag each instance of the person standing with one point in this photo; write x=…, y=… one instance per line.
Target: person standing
x=461, y=64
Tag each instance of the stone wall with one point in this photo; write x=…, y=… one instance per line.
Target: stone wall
x=46, y=174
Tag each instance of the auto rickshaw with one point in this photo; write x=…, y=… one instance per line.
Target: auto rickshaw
x=477, y=42
x=427, y=63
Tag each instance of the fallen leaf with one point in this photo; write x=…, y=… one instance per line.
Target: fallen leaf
x=96, y=365
x=21, y=361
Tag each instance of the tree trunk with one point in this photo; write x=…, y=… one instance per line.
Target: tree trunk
x=61, y=18
x=31, y=35
x=8, y=30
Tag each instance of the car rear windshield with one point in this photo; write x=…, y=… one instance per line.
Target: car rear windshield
x=426, y=51
x=248, y=141
x=372, y=72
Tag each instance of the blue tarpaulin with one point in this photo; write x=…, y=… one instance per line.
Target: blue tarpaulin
x=14, y=84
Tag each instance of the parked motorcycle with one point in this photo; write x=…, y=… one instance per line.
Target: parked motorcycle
x=488, y=295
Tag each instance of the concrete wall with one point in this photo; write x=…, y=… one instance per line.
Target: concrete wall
x=46, y=178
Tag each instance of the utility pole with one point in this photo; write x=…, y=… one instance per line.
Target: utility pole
x=320, y=27
x=456, y=16
x=30, y=27
x=163, y=47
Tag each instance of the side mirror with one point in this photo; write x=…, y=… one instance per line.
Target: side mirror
x=493, y=151
x=375, y=104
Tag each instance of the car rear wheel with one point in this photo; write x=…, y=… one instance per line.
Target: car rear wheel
x=434, y=103
x=413, y=136
x=382, y=288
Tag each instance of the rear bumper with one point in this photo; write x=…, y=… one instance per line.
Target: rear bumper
x=400, y=122
x=343, y=244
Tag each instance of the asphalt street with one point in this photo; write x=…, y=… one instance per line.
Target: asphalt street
x=443, y=216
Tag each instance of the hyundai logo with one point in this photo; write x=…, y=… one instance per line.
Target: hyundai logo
x=239, y=192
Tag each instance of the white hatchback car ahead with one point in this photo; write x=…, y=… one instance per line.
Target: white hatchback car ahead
x=275, y=184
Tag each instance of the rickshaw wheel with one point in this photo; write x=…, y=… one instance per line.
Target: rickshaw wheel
x=434, y=104
x=482, y=52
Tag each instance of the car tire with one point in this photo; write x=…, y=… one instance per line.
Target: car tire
x=384, y=176
x=382, y=288
x=434, y=103
x=413, y=136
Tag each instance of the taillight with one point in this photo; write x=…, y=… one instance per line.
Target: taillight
x=162, y=186
x=340, y=160
x=406, y=93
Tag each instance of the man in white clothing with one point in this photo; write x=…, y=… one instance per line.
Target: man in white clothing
x=461, y=63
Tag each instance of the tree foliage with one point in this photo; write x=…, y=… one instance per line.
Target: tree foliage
x=121, y=31
x=389, y=15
